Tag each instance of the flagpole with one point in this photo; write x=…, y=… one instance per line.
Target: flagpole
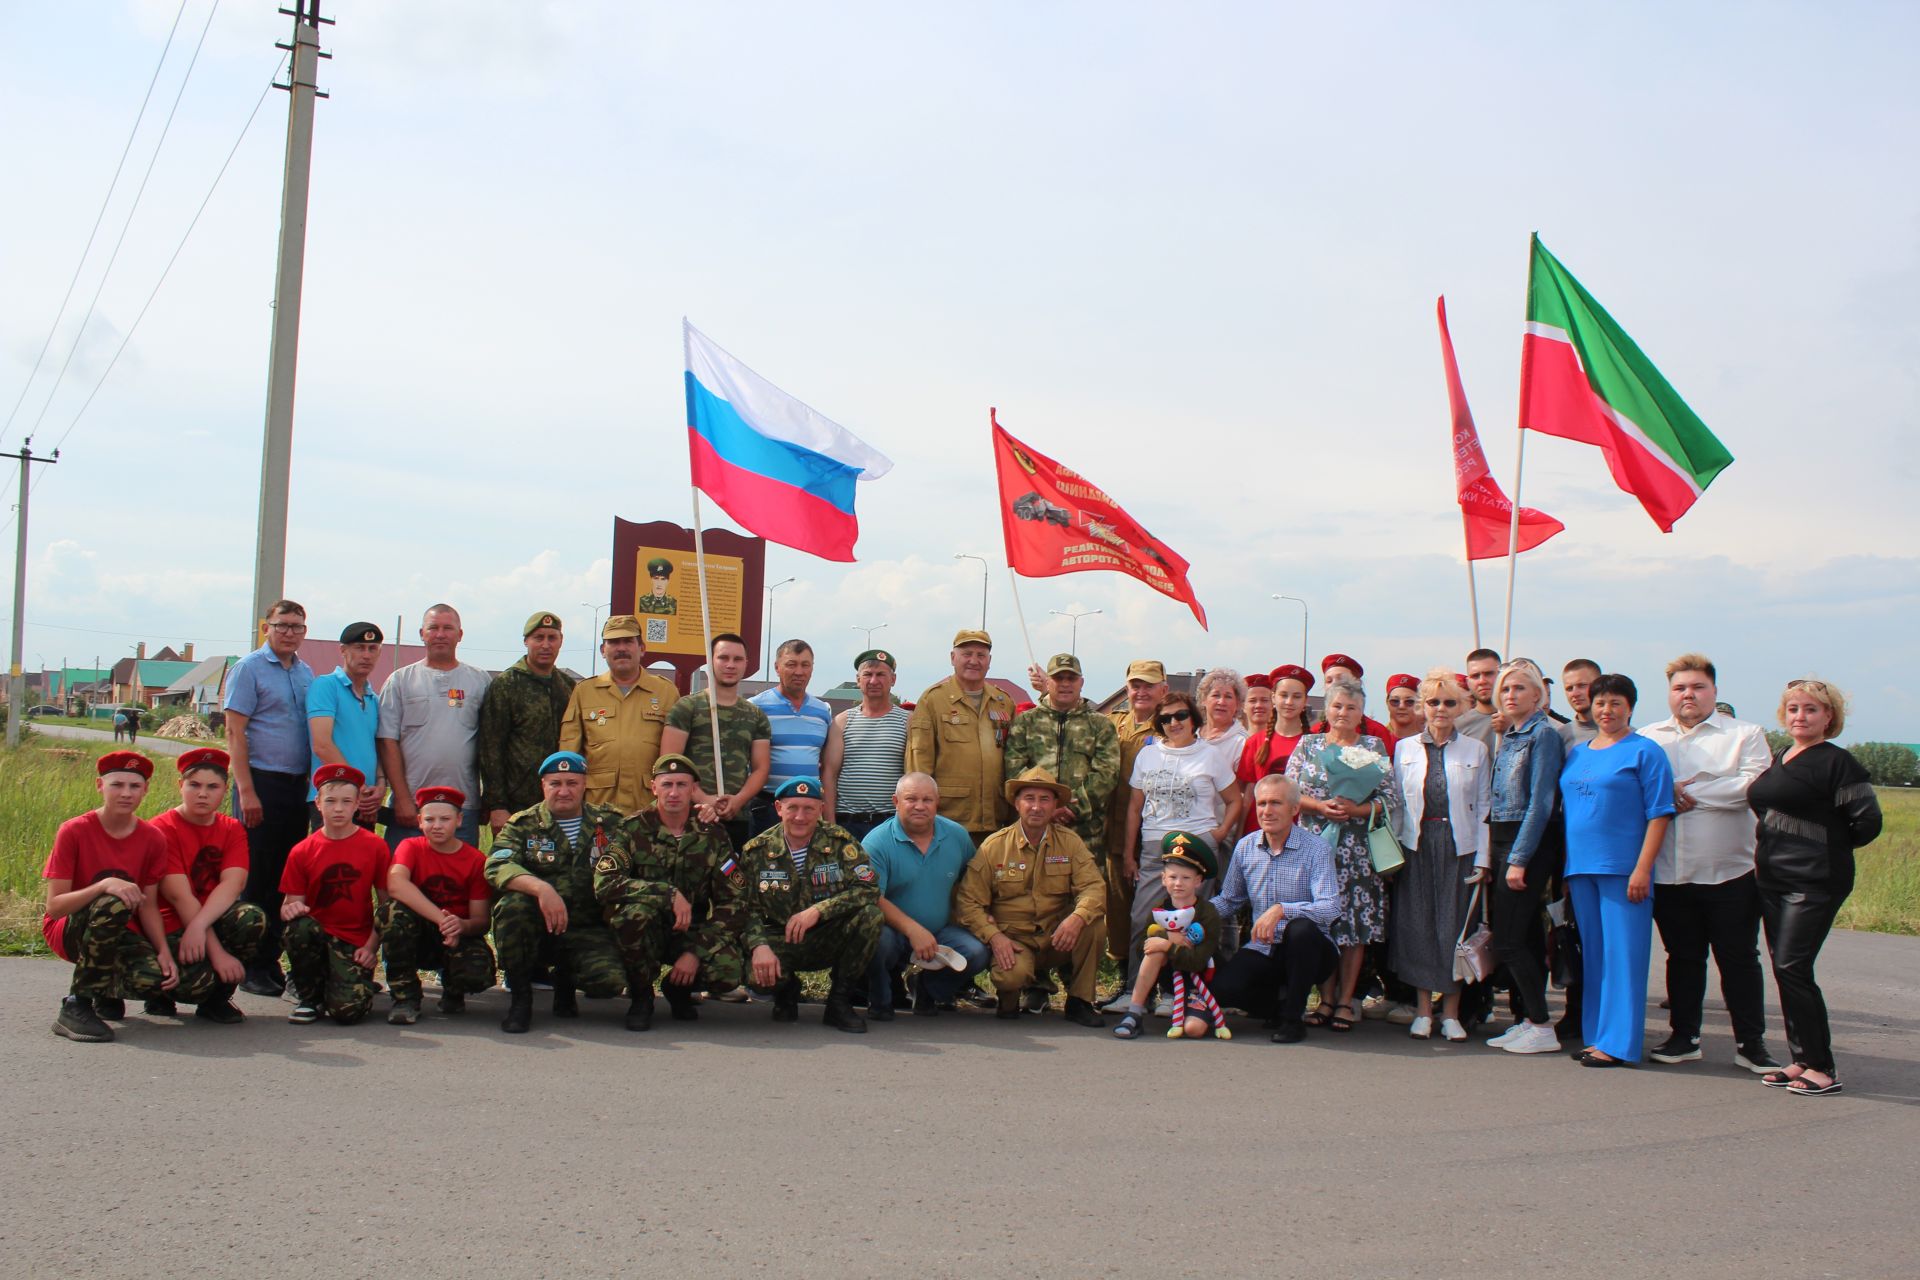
x=706, y=612
x=1473, y=587
x=1013, y=580
x=1519, y=466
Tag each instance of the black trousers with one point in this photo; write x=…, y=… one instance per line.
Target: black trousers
x=283, y=824
x=1723, y=918
x=1275, y=985
x=1798, y=921
x=1516, y=918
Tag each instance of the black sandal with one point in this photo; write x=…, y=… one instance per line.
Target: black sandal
x=1129, y=1028
x=1346, y=1021
x=1806, y=1088
x=1783, y=1079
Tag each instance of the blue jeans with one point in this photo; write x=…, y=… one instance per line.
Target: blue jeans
x=891, y=956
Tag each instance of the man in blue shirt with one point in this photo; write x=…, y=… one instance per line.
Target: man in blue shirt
x=1284, y=875
x=800, y=725
x=270, y=760
x=343, y=716
x=918, y=857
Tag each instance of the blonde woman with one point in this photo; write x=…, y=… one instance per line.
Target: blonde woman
x=1527, y=842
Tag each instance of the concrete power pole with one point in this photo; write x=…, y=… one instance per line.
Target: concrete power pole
x=276, y=453
x=16, y=682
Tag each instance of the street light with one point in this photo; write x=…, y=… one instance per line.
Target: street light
x=1073, y=644
x=766, y=644
x=593, y=646
x=869, y=631
x=985, y=570
x=1303, y=628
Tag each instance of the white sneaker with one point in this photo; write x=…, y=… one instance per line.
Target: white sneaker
x=1506, y=1037
x=1119, y=1004
x=1163, y=1008
x=1450, y=1029
x=1420, y=1028
x=1534, y=1038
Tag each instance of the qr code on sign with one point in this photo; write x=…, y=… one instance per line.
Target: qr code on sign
x=656, y=630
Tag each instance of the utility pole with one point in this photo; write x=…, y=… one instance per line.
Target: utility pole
x=276, y=452
x=17, y=683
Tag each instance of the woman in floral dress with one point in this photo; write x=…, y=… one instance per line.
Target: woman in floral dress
x=1343, y=824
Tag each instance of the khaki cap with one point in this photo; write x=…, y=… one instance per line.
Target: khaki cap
x=1147, y=669
x=1063, y=662
x=619, y=626
x=539, y=620
x=972, y=637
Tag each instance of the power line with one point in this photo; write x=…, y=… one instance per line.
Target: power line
x=126, y=226
x=98, y=218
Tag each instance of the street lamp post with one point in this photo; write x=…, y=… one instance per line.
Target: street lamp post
x=593, y=641
x=985, y=571
x=766, y=644
x=869, y=630
x=1303, y=628
x=1073, y=643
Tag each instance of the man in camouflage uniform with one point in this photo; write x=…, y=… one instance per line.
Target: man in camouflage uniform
x=746, y=741
x=520, y=723
x=544, y=878
x=672, y=889
x=812, y=902
x=659, y=571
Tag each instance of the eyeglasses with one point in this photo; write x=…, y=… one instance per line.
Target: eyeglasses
x=1172, y=717
x=1403, y=702
x=1443, y=702
x=288, y=628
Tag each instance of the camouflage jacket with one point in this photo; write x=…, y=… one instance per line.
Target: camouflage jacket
x=741, y=725
x=652, y=863
x=839, y=880
x=1079, y=747
x=534, y=844
x=519, y=727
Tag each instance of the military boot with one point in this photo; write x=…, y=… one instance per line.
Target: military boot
x=640, y=1011
x=566, y=1001
x=839, y=1014
x=680, y=1001
x=786, y=1001
x=519, y=1004
x=78, y=1021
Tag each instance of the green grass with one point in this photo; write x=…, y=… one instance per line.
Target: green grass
x=1886, y=891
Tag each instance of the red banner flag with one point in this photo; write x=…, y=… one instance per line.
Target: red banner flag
x=1057, y=521
x=1486, y=511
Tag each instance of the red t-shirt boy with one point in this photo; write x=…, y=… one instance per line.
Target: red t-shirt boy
x=441, y=882
x=101, y=912
x=200, y=905
x=334, y=881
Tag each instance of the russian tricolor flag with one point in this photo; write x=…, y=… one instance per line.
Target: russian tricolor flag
x=781, y=470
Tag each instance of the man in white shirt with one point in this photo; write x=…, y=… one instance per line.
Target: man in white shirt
x=1704, y=895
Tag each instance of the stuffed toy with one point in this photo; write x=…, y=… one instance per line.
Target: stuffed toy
x=1168, y=922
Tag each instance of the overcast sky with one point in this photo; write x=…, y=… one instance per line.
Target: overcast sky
x=1192, y=251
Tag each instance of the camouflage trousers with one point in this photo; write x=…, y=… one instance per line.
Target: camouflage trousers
x=323, y=972
x=109, y=959
x=241, y=929
x=648, y=943
x=585, y=955
x=410, y=943
x=844, y=946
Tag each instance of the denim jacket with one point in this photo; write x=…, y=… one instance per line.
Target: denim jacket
x=1526, y=783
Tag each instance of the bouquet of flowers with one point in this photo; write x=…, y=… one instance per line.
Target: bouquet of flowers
x=1353, y=773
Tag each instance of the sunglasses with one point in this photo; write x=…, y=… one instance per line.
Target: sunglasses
x=1819, y=686
x=1403, y=702
x=1173, y=717
x=1443, y=702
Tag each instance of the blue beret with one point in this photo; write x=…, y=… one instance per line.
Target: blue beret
x=563, y=762
x=805, y=788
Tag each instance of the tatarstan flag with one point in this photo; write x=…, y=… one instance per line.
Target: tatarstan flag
x=1582, y=378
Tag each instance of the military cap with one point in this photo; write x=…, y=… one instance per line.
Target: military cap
x=1063, y=662
x=539, y=620
x=361, y=633
x=799, y=789
x=563, y=762
x=1291, y=672
x=1039, y=776
x=971, y=636
x=1146, y=669
x=620, y=626
x=674, y=763
x=1342, y=660
x=874, y=655
x=439, y=795
x=1401, y=680
x=1184, y=847
x=1259, y=680
x=329, y=773
x=202, y=758
x=124, y=762
x=1724, y=708
x=659, y=567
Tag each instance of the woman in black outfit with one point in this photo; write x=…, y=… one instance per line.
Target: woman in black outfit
x=1815, y=807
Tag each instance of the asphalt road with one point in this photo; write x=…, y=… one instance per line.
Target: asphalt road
x=148, y=742
x=934, y=1147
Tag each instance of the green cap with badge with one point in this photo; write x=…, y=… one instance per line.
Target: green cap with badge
x=874, y=655
x=1063, y=662
x=659, y=567
x=539, y=620
x=674, y=763
x=1184, y=847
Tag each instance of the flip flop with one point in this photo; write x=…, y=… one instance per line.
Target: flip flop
x=1782, y=1079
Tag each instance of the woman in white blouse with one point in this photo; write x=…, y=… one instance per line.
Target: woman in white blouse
x=1446, y=781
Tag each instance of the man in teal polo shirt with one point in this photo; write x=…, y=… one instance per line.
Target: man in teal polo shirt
x=918, y=857
x=343, y=713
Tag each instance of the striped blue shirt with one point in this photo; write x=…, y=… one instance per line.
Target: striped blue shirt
x=798, y=736
x=1300, y=878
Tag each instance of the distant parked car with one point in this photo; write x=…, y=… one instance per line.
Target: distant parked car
x=45, y=710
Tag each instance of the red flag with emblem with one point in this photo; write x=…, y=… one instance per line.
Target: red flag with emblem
x=1057, y=521
x=1484, y=507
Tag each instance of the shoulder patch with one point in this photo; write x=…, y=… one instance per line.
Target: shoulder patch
x=606, y=863
x=863, y=872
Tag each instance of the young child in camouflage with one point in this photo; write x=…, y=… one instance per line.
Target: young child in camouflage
x=437, y=913
x=1187, y=951
x=102, y=913
x=334, y=882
